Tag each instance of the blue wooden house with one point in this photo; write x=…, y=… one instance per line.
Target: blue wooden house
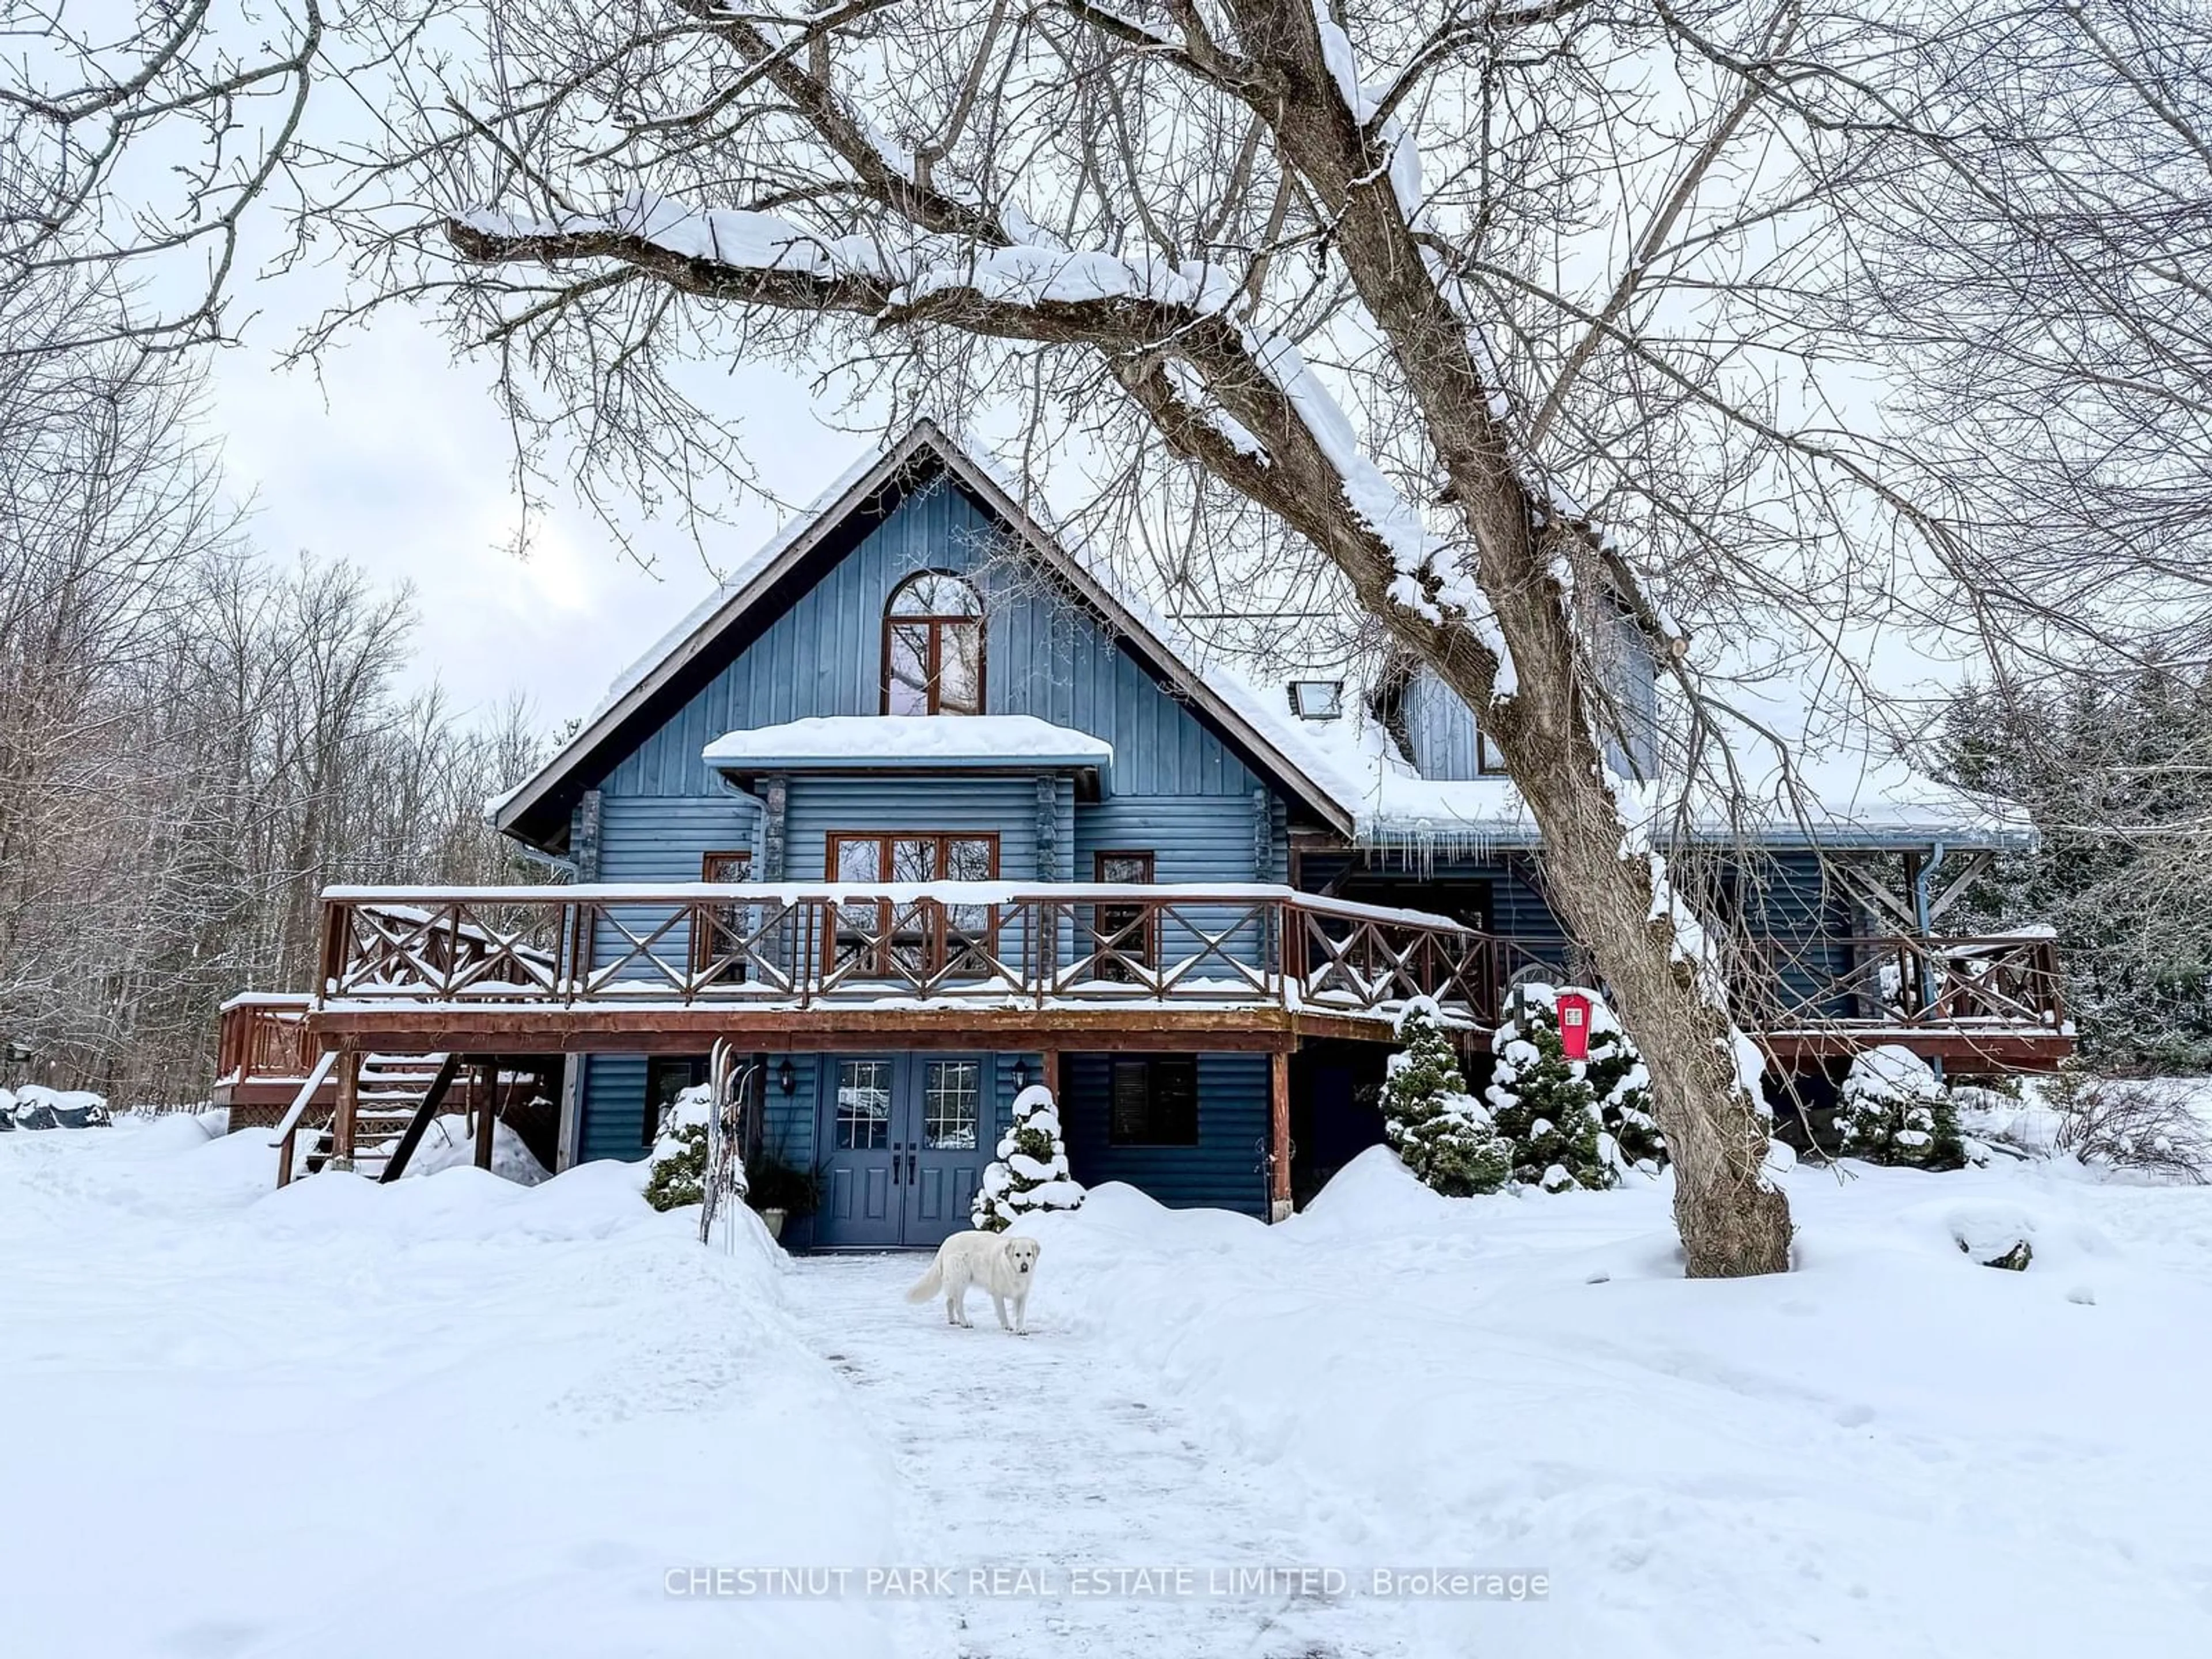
x=919, y=807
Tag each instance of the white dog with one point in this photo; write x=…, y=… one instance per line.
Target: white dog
x=1004, y=1266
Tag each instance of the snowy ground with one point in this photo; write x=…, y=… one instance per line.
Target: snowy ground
x=459, y=1416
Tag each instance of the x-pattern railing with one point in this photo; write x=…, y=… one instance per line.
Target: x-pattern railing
x=2008, y=980
x=452, y=947
x=974, y=942
x=1001, y=945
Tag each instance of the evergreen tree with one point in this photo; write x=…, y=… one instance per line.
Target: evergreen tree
x=2111, y=763
x=677, y=1163
x=1894, y=1110
x=1439, y=1130
x=1572, y=1122
x=1029, y=1174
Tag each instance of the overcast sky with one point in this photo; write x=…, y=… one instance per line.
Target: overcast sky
x=398, y=461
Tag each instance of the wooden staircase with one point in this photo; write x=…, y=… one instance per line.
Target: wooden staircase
x=394, y=1100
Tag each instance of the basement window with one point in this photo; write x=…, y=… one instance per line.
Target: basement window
x=1153, y=1101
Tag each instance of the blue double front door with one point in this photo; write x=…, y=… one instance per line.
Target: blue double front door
x=907, y=1136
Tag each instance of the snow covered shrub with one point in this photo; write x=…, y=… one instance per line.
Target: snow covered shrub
x=1440, y=1131
x=2131, y=1123
x=1030, y=1173
x=1894, y=1110
x=678, y=1162
x=1572, y=1122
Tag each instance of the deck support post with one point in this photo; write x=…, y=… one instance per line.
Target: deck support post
x=1048, y=1073
x=1279, y=1135
x=487, y=1111
x=343, y=1120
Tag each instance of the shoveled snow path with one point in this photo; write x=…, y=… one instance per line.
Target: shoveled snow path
x=1054, y=1452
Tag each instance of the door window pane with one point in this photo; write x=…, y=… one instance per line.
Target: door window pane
x=971, y=858
x=904, y=941
x=952, y=1104
x=863, y=1104
x=725, y=931
x=859, y=860
x=666, y=1077
x=968, y=857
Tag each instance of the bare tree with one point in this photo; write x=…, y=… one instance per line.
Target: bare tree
x=135, y=142
x=105, y=497
x=2036, y=228
x=1490, y=306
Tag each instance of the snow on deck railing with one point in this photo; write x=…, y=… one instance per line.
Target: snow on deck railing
x=793, y=944
x=422, y=901
x=1009, y=945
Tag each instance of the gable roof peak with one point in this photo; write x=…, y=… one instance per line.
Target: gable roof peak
x=536, y=811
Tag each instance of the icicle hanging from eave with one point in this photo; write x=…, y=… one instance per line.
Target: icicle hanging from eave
x=1415, y=844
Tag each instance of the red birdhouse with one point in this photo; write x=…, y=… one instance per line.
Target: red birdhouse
x=1574, y=1024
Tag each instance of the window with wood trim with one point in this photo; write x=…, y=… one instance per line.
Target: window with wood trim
x=1152, y=1100
x=1126, y=935
x=933, y=646
x=897, y=940
x=667, y=1075
x=718, y=948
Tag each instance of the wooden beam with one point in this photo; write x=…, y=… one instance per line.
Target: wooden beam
x=411, y=1136
x=1994, y=1051
x=1049, y=1062
x=343, y=1121
x=303, y=1102
x=1864, y=886
x=551, y=1029
x=1278, y=1138
x=1977, y=863
x=487, y=1111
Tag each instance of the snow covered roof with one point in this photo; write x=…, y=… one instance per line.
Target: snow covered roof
x=894, y=742
x=1348, y=772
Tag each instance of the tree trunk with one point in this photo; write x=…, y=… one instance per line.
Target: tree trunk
x=1733, y=1221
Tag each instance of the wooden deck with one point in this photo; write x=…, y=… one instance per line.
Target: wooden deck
x=541, y=972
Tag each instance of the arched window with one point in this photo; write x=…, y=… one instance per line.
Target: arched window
x=933, y=646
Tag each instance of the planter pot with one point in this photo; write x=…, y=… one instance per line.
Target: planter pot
x=774, y=1220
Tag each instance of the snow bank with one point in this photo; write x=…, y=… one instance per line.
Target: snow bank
x=450, y=1141
x=1377, y=1194
x=450, y=1417
x=1892, y=1451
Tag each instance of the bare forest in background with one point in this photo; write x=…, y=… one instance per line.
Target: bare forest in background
x=195, y=736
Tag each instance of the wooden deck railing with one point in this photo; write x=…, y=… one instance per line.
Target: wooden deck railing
x=264, y=1034
x=981, y=943
x=1012, y=945
x=2009, y=981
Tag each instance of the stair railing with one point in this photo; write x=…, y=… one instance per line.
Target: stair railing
x=288, y=1130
